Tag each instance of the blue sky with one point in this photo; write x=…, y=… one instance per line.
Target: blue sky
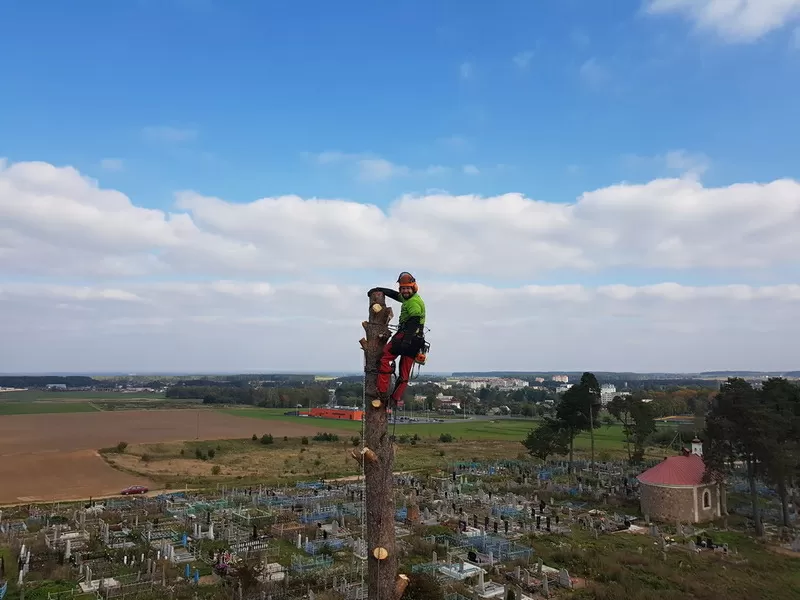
x=255, y=85
x=661, y=113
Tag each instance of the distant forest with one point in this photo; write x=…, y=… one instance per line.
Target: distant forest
x=25, y=381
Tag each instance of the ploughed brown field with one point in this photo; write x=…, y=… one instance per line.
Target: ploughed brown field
x=50, y=457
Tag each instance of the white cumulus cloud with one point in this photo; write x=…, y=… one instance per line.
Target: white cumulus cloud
x=54, y=221
x=95, y=281
x=253, y=325
x=733, y=20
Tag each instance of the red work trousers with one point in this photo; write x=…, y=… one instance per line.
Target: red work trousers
x=385, y=371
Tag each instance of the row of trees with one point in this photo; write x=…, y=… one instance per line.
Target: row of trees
x=757, y=429
x=577, y=411
x=751, y=429
x=270, y=397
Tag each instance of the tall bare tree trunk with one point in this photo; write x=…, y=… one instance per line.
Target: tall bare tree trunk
x=751, y=476
x=783, y=494
x=591, y=431
x=378, y=458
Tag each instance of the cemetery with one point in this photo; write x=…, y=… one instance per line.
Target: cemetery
x=508, y=529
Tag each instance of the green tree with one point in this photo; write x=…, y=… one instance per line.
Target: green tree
x=430, y=401
x=781, y=399
x=590, y=389
x=620, y=409
x=572, y=414
x=738, y=429
x=547, y=439
x=644, y=425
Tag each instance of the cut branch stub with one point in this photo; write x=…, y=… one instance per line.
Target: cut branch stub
x=400, y=585
x=380, y=553
x=369, y=455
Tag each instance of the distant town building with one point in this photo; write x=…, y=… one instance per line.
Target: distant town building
x=607, y=393
x=502, y=383
x=561, y=378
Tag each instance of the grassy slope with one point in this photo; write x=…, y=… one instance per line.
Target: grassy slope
x=620, y=572
x=288, y=460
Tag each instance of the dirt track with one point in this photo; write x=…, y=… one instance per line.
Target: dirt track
x=53, y=457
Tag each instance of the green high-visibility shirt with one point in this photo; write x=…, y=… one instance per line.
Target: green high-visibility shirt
x=413, y=307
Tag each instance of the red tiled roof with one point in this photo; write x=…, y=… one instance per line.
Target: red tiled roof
x=676, y=470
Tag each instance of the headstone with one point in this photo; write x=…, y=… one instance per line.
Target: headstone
x=564, y=580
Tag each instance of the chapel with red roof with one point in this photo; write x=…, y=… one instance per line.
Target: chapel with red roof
x=674, y=490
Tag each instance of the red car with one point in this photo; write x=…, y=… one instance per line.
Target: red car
x=134, y=489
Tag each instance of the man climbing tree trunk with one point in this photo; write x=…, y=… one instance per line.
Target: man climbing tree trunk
x=378, y=459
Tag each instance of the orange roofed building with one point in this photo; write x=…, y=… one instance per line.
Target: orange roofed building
x=674, y=490
x=347, y=414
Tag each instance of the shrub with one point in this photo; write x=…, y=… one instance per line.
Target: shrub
x=215, y=470
x=198, y=453
x=324, y=436
x=422, y=586
x=662, y=437
x=356, y=440
x=286, y=438
x=145, y=457
x=254, y=438
x=446, y=437
x=267, y=439
x=211, y=453
x=304, y=441
x=121, y=447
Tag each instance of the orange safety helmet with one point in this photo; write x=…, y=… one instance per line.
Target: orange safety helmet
x=406, y=279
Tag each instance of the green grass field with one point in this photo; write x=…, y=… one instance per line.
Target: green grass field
x=43, y=408
x=43, y=396
x=38, y=402
x=605, y=438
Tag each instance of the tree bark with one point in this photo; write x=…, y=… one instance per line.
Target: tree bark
x=591, y=430
x=571, y=446
x=751, y=476
x=784, y=496
x=381, y=556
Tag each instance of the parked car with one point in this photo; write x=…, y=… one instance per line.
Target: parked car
x=134, y=489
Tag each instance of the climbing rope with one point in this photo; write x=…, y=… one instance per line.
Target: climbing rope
x=362, y=475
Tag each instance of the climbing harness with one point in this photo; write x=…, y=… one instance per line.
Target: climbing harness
x=421, y=357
